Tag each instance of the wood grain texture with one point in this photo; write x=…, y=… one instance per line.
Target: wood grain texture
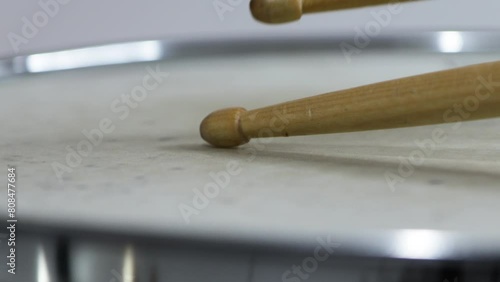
x=281, y=11
x=461, y=94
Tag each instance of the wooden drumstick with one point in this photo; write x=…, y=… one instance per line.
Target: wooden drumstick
x=467, y=93
x=280, y=11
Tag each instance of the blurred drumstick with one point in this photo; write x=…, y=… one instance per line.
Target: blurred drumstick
x=280, y=11
x=466, y=93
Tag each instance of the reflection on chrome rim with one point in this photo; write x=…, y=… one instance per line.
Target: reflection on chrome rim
x=155, y=50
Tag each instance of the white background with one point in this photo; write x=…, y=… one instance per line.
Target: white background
x=81, y=23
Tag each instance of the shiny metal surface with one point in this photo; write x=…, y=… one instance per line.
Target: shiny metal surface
x=38, y=258
x=153, y=50
x=57, y=255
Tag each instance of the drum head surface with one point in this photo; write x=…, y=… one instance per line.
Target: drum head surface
x=145, y=170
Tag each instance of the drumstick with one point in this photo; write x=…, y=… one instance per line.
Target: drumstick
x=280, y=11
x=466, y=93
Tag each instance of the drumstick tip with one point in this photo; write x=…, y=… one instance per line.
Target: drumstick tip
x=276, y=11
x=222, y=128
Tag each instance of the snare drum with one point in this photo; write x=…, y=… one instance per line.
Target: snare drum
x=114, y=180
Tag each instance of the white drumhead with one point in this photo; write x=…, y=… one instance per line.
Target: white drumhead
x=152, y=173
